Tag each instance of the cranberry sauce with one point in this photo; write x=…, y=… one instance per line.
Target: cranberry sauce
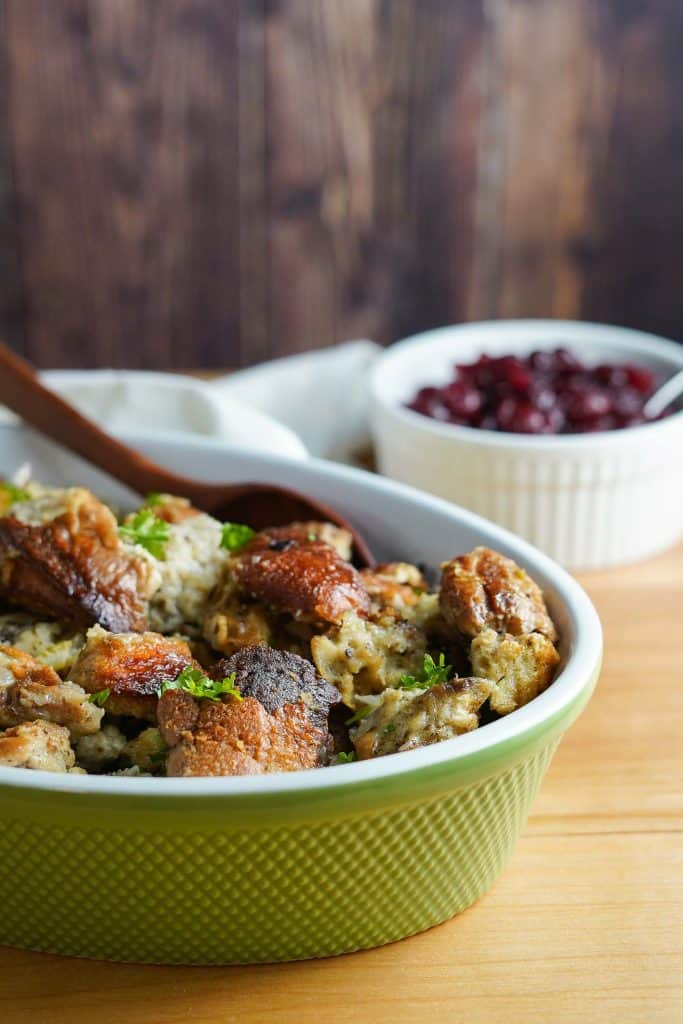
x=548, y=392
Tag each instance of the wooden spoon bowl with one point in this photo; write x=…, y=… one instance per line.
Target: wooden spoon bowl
x=258, y=504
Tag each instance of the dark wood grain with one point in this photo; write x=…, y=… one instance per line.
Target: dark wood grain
x=216, y=182
x=319, y=58
x=254, y=276
x=125, y=147
x=11, y=284
x=435, y=207
x=632, y=264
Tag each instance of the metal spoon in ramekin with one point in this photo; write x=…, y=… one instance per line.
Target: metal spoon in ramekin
x=664, y=396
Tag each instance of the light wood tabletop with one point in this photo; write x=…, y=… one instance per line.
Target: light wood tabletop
x=586, y=925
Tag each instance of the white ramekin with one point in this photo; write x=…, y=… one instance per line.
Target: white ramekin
x=588, y=500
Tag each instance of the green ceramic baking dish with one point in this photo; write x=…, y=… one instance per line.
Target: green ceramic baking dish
x=283, y=867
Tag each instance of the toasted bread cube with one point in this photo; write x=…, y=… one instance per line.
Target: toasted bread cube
x=519, y=667
x=484, y=589
x=41, y=746
x=132, y=667
x=278, y=724
x=406, y=719
x=61, y=556
x=364, y=656
x=30, y=690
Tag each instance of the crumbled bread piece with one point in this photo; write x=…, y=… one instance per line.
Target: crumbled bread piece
x=406, y=719
x=519, y=667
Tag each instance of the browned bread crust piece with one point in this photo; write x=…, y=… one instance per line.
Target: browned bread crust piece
x=234, y=737
x=30, y=690
x=275, y=678
x=305, y=533
x=42, y=746
x=132, y=666
x=69, y=563
x=280, y=724
x=304, y=578
x=484, y=589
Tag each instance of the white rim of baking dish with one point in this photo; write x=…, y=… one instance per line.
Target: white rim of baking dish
x=583, y=660
x=543, y=334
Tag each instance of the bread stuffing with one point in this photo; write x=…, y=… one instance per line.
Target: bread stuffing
x=164, y=643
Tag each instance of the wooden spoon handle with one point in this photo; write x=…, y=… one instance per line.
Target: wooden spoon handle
x=22, y=392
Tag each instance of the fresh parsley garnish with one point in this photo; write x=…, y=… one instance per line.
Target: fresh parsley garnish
x=194, y=682
x=360, y=714
x=433, y=673
x=390, y=728
x=311, y=536
x=153, y=499
x=159, y=758
x=235, y=536
x=100, y=698
x=147, y=531
x=344, y=758
x=13, y=492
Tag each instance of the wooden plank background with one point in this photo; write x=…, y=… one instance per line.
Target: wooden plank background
x=214, y=182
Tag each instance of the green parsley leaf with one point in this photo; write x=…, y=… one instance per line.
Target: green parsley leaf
x=311, y=536
x=235, y=536
x=153, y=499
x=360, y=714
x=147, y=531
x=194, y=682
x=390, y=728
x=13, y=492
x=433, y=673
x=344, y=758
x=158, y=761
x=100, y=698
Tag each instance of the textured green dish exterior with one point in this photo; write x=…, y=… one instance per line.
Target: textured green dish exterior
x=163, y=886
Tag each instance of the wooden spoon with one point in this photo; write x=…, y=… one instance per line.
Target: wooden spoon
x=257, y=504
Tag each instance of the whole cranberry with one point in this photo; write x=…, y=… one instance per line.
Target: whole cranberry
x=462, y=399
x=543, y=397
x=481, y=373
x=588, y=405
x=627, y=402
x=555, y=419
x=426, y=395
x=640, y=379
x=505, y=413
x=518, y=376
x=429, y=402
x=542, y=361
x=610, y=376
x=463, y=372
x=528, y=420
x=572, y=383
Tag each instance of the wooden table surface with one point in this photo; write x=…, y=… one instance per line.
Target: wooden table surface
x=586, y=925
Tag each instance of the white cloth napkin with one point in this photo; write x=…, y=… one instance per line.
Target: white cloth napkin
x=321, y=395
x=315, y=403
